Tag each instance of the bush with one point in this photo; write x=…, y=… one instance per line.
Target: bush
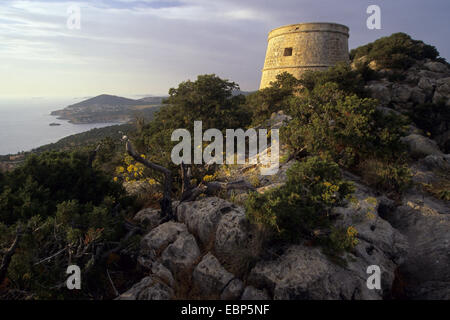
x=271, y=99
x=67, y=211
x=343, y=126
x=295, y=210
x=384, y=176
x=347, y=80
x=397, y=51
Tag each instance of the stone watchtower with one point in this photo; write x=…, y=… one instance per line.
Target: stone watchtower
x=306, y=46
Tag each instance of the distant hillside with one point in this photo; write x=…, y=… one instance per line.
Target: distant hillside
x=108, y=108
x=88, y=138
x=105, y=100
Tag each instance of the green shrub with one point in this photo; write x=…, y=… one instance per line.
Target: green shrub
x=343, y=126
x=302, y=205
x=68, y=211
x=271, y=99
x=347, y=80
x=391, y=177
x=397, y=51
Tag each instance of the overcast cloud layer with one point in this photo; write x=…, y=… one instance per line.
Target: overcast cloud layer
x=128, y=47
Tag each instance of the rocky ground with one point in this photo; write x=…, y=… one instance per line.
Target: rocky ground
x=213, y=252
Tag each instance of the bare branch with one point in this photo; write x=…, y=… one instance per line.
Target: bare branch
x=52, y=256
x=166, y=202
x=93, y=154
x=8, y=255
x=112, y=284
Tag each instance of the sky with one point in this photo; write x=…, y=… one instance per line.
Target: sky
x=140, y=48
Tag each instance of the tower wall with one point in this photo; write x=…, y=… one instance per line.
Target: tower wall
x=307, y=46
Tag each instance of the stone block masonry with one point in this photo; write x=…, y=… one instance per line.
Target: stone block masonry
x=300, y=47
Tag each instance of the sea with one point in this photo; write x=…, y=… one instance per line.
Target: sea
x=24, y=123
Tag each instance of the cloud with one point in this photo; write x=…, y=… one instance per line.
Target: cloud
x=127, y=46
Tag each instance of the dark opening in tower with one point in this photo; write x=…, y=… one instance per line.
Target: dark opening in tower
x=287, y=52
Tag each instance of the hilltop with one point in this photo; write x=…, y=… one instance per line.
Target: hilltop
x=108, y=108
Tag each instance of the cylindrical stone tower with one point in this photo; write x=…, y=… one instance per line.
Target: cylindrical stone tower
x=306, y=46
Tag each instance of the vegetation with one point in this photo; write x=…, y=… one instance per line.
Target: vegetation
x=302, y=207
x=398, y=51
x=69, y=213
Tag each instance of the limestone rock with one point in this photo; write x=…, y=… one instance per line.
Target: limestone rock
x=202, y=217
x=148, y=217
x=210, y=277
x=237, y=241
x=158, y=239
x=436, y=66
x=426, y=85
x=163, y=273
x=426, y=223
x=442, y=92
x=251, y=293
x=433, y=162
x=380, y=90
x=182, y=254
x=420, y=145
x=233, y=290
x=149, y=288
x=401, y=93
x=306, y=273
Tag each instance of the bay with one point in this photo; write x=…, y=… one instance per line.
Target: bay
x=25, y=123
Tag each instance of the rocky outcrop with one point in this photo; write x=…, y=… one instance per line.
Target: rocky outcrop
x=172, y=245
x=425, y=222
x=251, y=293
x=304, y=272
x=210, y=278
x=202, y=217
x=148, y=217
x=149, y=288
x=421, y=146
x=402, y=90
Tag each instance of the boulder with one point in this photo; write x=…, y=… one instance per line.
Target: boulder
x=436, y=66
x=418, y=96
x=233, y=290
x=433, y=162
x=380, y=90
x=157, y=240
x=251, y=293
x=442, y=92
x=180, y=256
x=202, y=217
x=427, y=86
x=305, y=273
x=401, y=93
x=420, y=145
x=209, y=277
x=149, y=288
x=148, y=217
x=425, y=222
x=163, y=273
x=237, y=241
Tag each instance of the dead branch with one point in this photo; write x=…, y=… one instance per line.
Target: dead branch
x=112, y=284
x=52, y=256
x=93, y=154
x=8, y=255
x=166, y=202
